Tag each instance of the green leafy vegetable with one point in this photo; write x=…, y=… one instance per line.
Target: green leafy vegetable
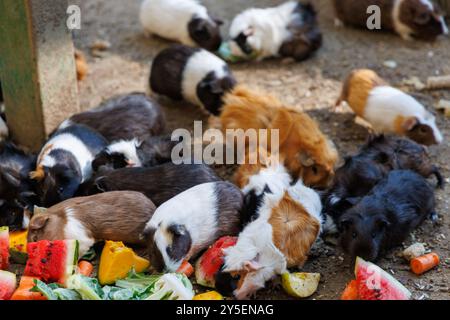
x=66, y=294
x=43, y=288
x=172, y=286
x=88, y=288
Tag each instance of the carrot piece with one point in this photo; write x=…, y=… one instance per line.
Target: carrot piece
x=85, y=268
x=351, y=291
x=23, y=291
x=186, y=268
x=424, y=263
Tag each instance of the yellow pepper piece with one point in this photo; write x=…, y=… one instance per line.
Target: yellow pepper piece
x=117, y=260
x=210, y=295
x=18, y=241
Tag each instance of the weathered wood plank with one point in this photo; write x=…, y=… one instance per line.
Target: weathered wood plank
x=37, y=68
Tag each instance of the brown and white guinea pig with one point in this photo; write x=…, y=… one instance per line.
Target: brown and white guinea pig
x=116, y=216
x=385, y=217
x=410, y=19
x=388, y=109
x=65, y=162
x=17, y=190
x=192, y=221
x=192, y=74
x=159, y=183
x=287, y=225
x=184, y=21
x=148, y=152
x=288, y=30
x=123, y=117
x=375, y=159
x=307, y=153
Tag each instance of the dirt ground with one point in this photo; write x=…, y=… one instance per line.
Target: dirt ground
x=312, y=85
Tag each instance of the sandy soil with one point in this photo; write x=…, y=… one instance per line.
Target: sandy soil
x=312, y=85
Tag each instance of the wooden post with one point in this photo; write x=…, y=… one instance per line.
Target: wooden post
x=37, y=68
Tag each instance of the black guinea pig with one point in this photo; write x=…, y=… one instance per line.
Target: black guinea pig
x=195, y=75
x=148, y=152
x=387, y=215
x=123, y=117
x=159, y=183
x=410, y=19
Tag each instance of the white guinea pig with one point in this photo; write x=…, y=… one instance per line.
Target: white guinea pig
x=190, y=222
x=184, y=21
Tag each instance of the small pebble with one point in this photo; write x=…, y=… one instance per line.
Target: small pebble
x=413, y=251
x=390, y=64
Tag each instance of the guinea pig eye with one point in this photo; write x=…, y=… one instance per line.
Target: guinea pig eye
x=374, y=235
x=354, y=235
x=315, y=170
x=60, y=189
x=423, y=130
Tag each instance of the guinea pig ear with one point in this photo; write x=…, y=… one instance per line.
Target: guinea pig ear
x=38, y=222
x=305, y=159
x=410, y=123
x=101, y=159
x=422, y=17
x=181, y=242
x=251, y=266
x=216, y=19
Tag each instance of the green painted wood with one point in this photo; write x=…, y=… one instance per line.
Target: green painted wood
x=37, y=68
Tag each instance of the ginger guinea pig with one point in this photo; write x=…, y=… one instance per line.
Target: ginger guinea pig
x=410, y=19
x=116, y=216
x=388, y=109
x=185, y=21
x=193, y=74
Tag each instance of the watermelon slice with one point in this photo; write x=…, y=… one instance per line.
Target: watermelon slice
x=7, y=284
x=211, y=261
x=4, y=248
x=376, y=284
x=52, y=261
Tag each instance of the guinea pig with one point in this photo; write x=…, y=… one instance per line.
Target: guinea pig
x=288, y=30
x=288, y=224
x=17, y=190
x=410, y=19
x=192, y=74
x=388, y=109
x=149, y=152
x=116, y=216
x=192, y=221
x=65, y=162
x=123, y=117
x=184, y=21
x=386, y=216
x=306, y=152
x=159, y=183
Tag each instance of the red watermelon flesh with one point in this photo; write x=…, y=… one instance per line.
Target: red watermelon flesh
x=211, y=261
x=376, y=284
x=52, y=261
x=4, y=248
x=7, y=284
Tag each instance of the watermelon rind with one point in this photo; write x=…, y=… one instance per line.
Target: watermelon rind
x=4, y=247
x=72, y=247
x=394, y=284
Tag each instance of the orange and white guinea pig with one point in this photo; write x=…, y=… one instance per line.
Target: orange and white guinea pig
x=306, y=152
x=387, y=109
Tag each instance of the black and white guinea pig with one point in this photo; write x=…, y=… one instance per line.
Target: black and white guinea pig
x=159, y=183
x=148, y=152
x=409, y=18
x=65, y=162
x=386, y=216
x=184, y=21
x=123, y=117
x=17, y=190
x=192, y=221
x=192, y=74
x=288, y=30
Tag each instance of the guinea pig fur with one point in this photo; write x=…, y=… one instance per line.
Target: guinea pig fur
x=123, y=117
x=159, y=183
x=192, y=74
x=386, y=216
x=307, y=153
x=148, y=152
x=409, y=18
x=65, y=162
x=192, y=221
x=184, y=21
x=287, y=226
x=388, y=109
x=116, y=216
x=288, y=30
x=17, y=190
